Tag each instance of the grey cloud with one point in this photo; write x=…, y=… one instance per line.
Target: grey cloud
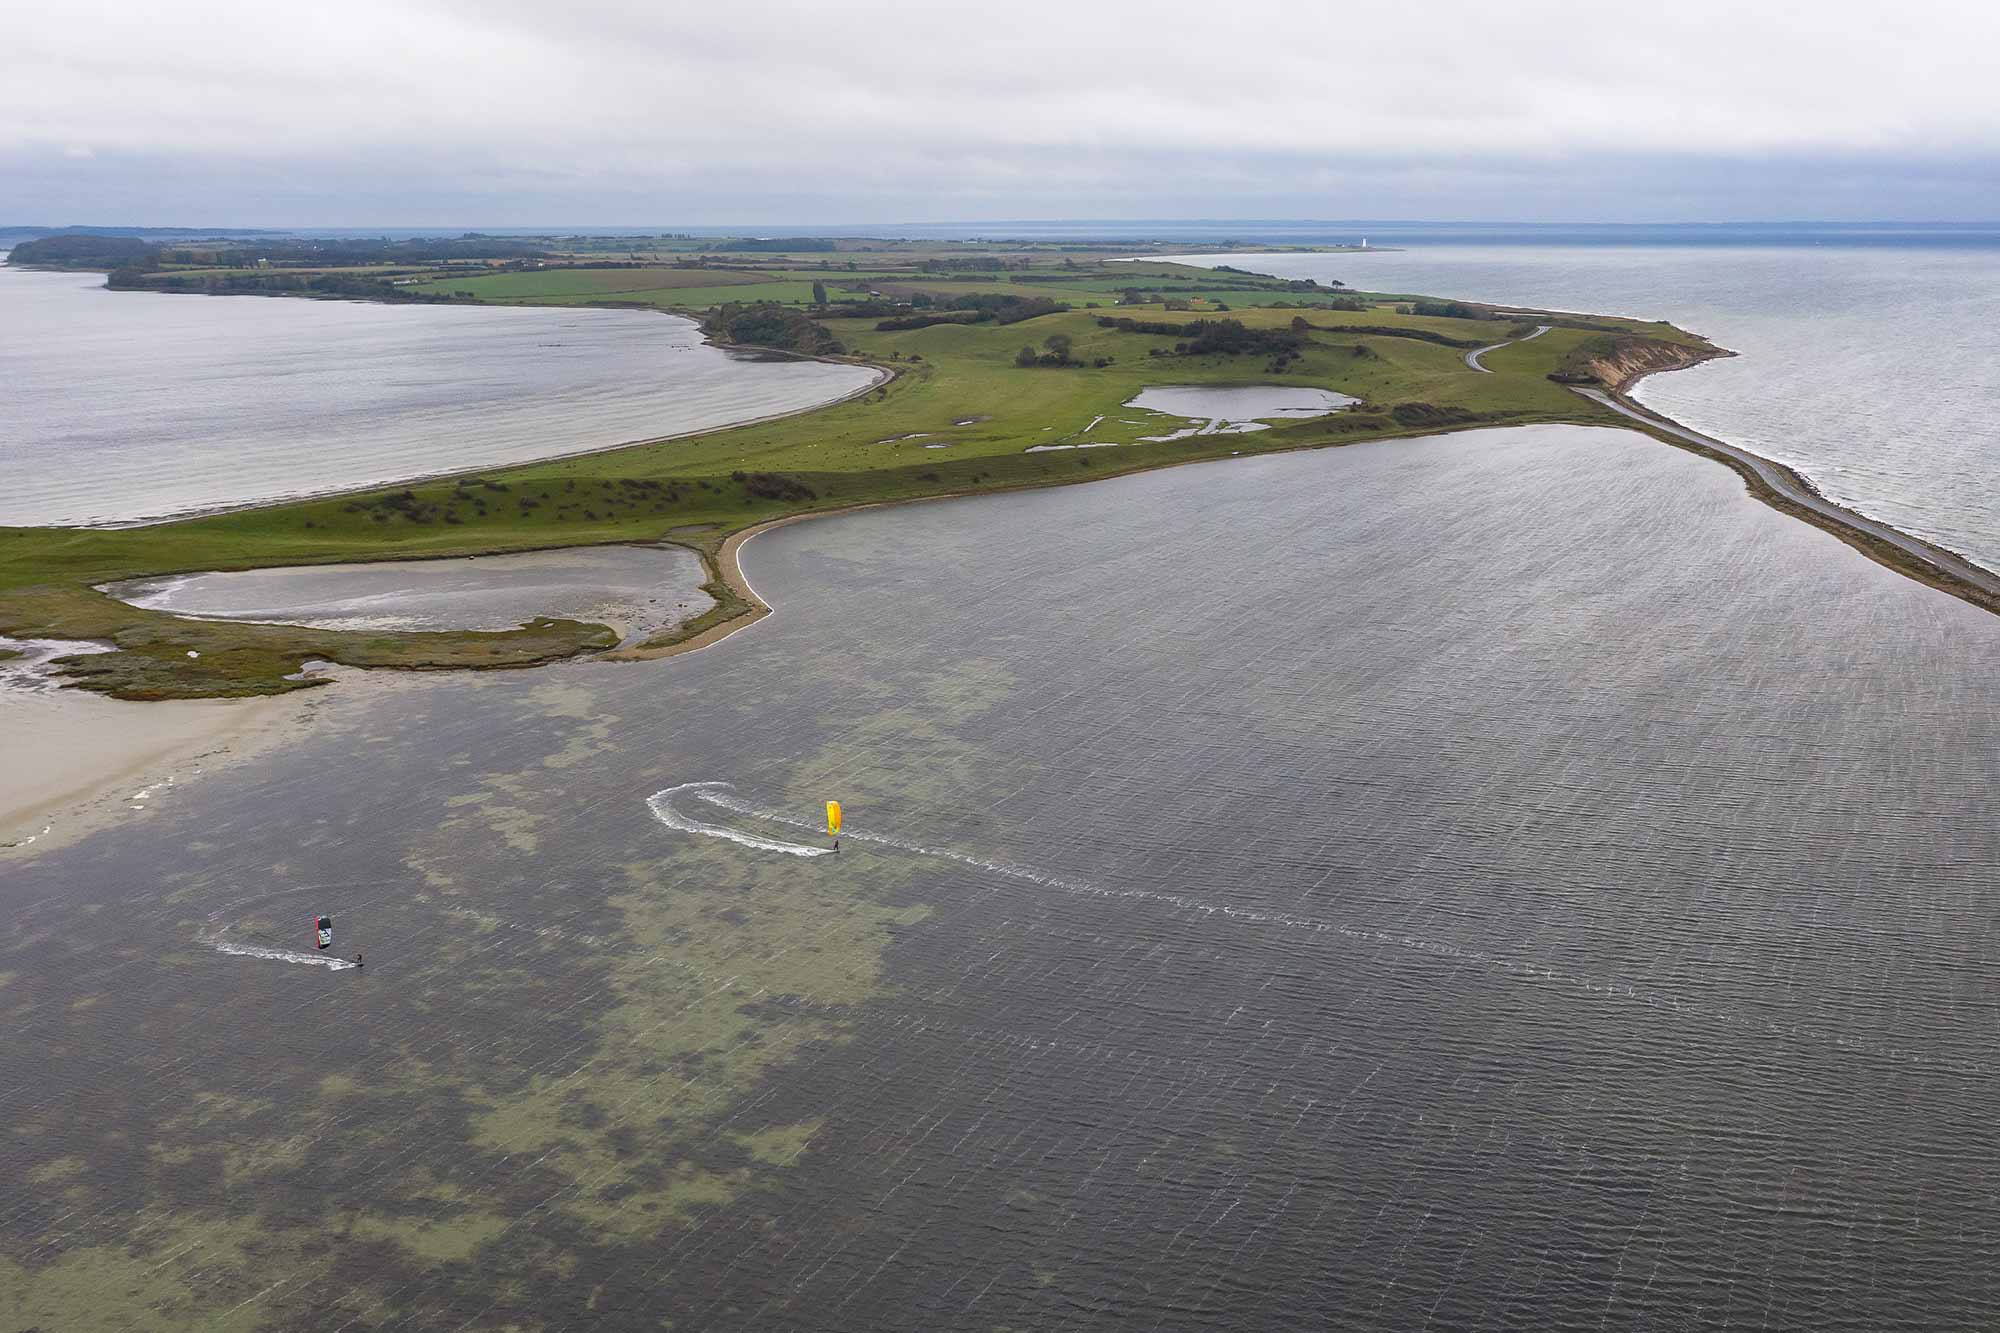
x=623, y=112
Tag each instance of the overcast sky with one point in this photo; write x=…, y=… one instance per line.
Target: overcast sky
x=604, y=112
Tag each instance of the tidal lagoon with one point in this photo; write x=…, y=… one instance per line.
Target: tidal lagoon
x=640, y=590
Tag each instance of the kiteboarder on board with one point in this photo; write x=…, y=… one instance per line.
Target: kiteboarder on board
x=357, y=958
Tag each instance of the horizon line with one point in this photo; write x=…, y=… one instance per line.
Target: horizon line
x=572, y=228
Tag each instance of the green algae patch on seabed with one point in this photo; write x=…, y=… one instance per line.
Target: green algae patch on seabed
x=463, y=1161
x=723, y=975
x=109, y=1286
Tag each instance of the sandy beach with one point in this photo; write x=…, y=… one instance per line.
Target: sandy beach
x=75, y=761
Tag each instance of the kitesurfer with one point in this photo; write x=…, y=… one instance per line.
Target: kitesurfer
x=357, y=959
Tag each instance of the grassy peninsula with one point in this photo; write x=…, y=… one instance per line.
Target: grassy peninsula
x=988, y=351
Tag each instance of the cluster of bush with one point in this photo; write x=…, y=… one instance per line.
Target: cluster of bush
x=977, y=308
x=1447, y=310
x=354, y=285
x=1215, y=337
x=1057, y=353
x=1579, y=364
x=900, y=323
x=773, y=326
x=1289, y=284
x=976, y=264
x=1392, y=331
x=405, y=503
x=773, y=486
x=479, y=497
x=1348, y=303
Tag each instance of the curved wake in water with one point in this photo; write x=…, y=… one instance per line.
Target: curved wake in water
x=218, y=935
x=718, y=794
x=331, y=962
x=661, y=803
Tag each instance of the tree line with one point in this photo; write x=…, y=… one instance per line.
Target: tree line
x=978, y=308
x=353, y=285
x=84, y=250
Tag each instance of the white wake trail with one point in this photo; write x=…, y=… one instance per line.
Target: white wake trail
x=716, y=793
x=661, y=803
x=331, y=962
x=225, y=920
x=1664, y=1002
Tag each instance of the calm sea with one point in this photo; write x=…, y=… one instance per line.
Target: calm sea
x=1867, y=360
x=1506, y=881
x=125, y=405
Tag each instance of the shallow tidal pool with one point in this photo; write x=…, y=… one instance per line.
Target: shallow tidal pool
x=1213, y=409
x=638, y=590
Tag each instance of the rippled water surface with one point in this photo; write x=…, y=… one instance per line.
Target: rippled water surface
x=1510, y=880
x=128, y=405
x=1869, y=368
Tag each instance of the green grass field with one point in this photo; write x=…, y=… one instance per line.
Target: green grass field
x=566, y=284
x=958, y=416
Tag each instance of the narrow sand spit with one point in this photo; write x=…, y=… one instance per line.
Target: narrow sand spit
x=731, y=573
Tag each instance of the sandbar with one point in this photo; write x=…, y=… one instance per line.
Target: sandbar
x=75, y=762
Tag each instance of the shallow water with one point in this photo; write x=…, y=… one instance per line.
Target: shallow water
x=1239, y=402
x=129, y=405
x=1235, y=409
x=1503, y=880
x=29, y=670
x=640, y=590
x=1865, y=366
